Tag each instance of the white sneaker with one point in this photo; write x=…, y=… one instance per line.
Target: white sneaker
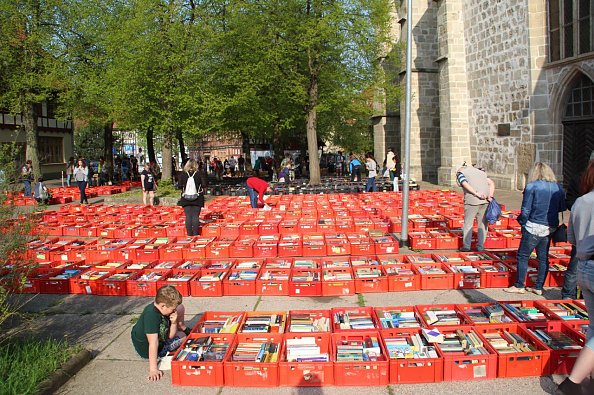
x=534, y=291
x=514, y=290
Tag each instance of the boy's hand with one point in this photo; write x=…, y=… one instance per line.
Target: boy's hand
x=155, y=375
x=173, y=317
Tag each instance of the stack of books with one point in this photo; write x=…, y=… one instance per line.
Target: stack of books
x=108, y=265
x=367, y=349
x=397, y=319
x=330, y=275
x=449, y=259
x=305, y=264
x=309, y=323
x=568, y=311
x=556, y=340
x=420, y=259
x=337, y=263
x=248, y=265
x=460, y=342
x=478, y=256
x=465, y=269
x=507, y=342
x=487, y=314
x=138, y=265
x=524, y=314
x=364, y=261
x=93, y=274
x=181, y=277
x=441, y=317
x=496, y=267
x=557, y=267
x=279, y=263
x=264, y=323
x=220, y=265
x=243, y=275
x=256, y=352
x=150, y=276
x=228, y=324
x=305, y=349
x=399, y=270
x=430, y=270
x=119, y=276
x=166, y=265
x=352, y=320
x=391, y=261
x=409, y=347
x=368, y=272
x=203, y=349
x=305, y=276
x=213, y=276
x=65, y=275
x=191, y=265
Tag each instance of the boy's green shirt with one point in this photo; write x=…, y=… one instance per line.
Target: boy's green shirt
x=150, y=321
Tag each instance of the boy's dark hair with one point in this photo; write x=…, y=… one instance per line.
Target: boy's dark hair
x=168, y=295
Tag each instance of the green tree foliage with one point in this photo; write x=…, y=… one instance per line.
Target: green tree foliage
x=29, y=71
x=89, y=141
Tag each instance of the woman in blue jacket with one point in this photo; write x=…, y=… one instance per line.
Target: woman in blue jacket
x=543, y=200
x=355, y=168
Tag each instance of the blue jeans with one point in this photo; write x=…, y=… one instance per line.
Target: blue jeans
x=585, y=279
x=68, y=178
x=528, y=243
x=27, y=184
x=170, y=345
x=253, y=196
x=569, y=290
x=370, y=185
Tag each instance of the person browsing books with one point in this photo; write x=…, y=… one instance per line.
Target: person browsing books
x=256, y=188
x=160, y=329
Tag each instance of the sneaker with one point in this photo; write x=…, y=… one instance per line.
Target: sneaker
x=534, y=291
x=514, y=290
x=463, y=249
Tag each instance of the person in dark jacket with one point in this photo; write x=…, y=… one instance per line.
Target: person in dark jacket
x=192, y=207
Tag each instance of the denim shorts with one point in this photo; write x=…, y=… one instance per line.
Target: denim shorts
x=170, y=345
x=585, y=279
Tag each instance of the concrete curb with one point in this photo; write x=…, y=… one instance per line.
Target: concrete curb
x=65, y=373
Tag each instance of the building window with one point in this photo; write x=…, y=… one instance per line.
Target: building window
x=51, y=149
x=580, y=103
x=570, y=28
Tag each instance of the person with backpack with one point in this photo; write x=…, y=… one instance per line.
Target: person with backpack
x=192, y=183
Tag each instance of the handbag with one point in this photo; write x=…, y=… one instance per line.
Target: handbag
x=493, y=212
x=560, y=234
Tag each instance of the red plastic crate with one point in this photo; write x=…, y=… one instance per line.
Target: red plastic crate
x=208, y=288
x=519, y=364
x=179, y=279
x=497, y=279
x=364, y=283
x=307, y=374
x=400, y=280
x=273, y=282
x=52, y=282
x=236, y=284
x=412, y=371
x=253, y=374
x=364, y=246
x=337, y=247
x=115, y=287
x=218, y=249
x=278, y=317
x=464, y=280
x=290, y=249
x=523, y=317
x=421, y=241
x=219, y=322
x=435, y=280
x=337, y=286
x=88, y=282
x=360, y=373
x=564, y=314
x=298, y=286
x=172, y=252
x=561, y=360
x=467, y=310
x=266, y=249
x=242, y=249
x=137, y=286
x=200, y=373
x=458, y=366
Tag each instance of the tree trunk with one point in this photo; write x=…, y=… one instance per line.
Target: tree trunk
x=277, y=146
x=167, y=151
x=108, y=147
x=182, y=146
x=30, y=126
x=245, y=148
x=150, y=145
x=312, y=134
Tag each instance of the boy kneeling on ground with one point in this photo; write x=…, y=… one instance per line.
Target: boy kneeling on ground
x=160, y=328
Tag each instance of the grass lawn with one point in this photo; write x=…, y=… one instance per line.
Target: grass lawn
x=26, y=363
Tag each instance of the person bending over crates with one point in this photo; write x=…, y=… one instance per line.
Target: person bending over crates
x=256, y=188
x=160, y=329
